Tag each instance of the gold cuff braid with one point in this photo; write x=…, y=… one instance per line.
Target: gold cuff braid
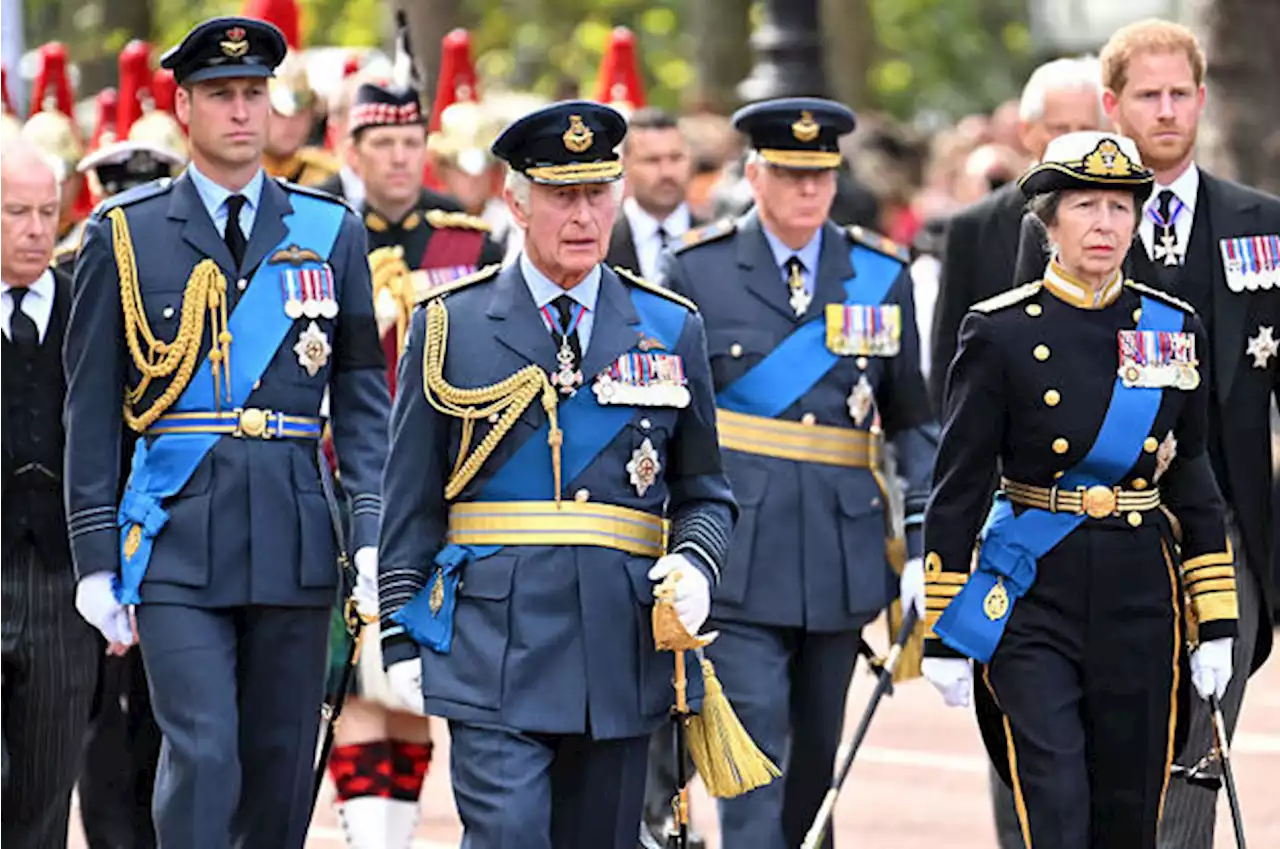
x=508, y=399
x=206, y=290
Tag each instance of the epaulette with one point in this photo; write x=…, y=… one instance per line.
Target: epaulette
x=881, y=244
x=133, y=195
x=486, y=273
x=1007, y=299
x=709, y=233
x=440, y=219
x=636, y=280
x=313, y=192
x=1160, y=296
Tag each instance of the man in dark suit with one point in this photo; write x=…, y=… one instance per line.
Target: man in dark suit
x=49, y=654
x=245, y=300
x=1213, y=243
x=655, y=213
x=1060, y=97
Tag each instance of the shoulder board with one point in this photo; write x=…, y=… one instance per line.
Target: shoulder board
x=1009, y=298
x=441, y=219
x=134, y=195
x=638, y=281
x=879, y=243
x=486, y=273
x=312, y=191
x=709, y=233
x=1160, y=296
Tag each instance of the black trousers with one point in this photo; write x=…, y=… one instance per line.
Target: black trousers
x=121, y=753
x=1087, y=675
x=49, y=664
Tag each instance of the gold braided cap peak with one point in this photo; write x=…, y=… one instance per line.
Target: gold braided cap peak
x=442, y=219
x=637, y=280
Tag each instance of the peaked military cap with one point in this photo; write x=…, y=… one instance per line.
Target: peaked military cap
x=574, y=141
x=125, y=164
x=1089, y=160
x=221, y=48
x=796, y=132
x=384, y=104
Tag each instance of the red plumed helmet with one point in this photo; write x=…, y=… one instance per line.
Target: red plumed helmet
x=282, y=13
x=104, y=127
x=458, y=82
x=52, y=81
x=163, y=89
x=135, y=84
x=619, y=84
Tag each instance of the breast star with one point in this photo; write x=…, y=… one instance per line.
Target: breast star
x=1263, y=346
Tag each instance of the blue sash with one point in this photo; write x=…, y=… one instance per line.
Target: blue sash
x=1011, y=544
x=801, y=360
x=588, y=426
x=258, y=325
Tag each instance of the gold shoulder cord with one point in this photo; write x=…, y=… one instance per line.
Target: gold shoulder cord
x=206, y=290
x=389, y=272
x=509, y=398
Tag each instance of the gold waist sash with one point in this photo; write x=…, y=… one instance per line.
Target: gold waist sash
x=1097, y=502
x=788, y=440
x=545, y=523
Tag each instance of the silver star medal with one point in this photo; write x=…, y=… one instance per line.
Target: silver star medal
x=861, y=400
x=1164, y=455
x=313, y=349
x=800, y=300
x=1167, y=251
x=1263, y=346
x=644, y=467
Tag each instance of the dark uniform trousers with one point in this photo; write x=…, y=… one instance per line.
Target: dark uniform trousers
x=1090, y=763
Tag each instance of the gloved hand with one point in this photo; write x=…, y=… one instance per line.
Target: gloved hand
x=405, y=677
x=911, y=587
x=96, y=603
x=692, y=600
x=1211, y=667
x=365, y=591
x=952, y=676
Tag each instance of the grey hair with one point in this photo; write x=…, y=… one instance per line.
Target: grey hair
x=24, y=151
x=1081, y=72
x=521, y=187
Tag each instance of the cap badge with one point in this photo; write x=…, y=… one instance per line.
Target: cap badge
x=806, y=129
x=1107, y=160
x=236, y=45
x=577, y=139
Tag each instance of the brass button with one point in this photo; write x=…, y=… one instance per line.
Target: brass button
x=735, y=350
x=1041, y=352
x=1139, y=483
x=1137, y=315
x=1058, y=475
x=808, y=419
x=1135, y=519
x=645, y=424
x=1061, y=446
x=1052, y=397
x=493, y=418
x=1034, y=310
x=861, y=363
x=1150, y=445
x=242, y=284
x=875, y=501
x=582, y=495
x=168, y=312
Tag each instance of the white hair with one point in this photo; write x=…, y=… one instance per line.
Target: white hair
x=1080, y=72
x=24, y=153
x=521, y=187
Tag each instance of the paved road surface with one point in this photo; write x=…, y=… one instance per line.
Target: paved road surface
x=919, y=783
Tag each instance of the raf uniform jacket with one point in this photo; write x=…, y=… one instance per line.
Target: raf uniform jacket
x=810, y=547
x=977, y=263
x=251, y=526
x=1242, y=385
x=547, y=639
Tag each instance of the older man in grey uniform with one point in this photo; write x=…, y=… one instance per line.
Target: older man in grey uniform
x=814, y=353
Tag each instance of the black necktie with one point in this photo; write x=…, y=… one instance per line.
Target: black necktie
x=234, y=236
x=22, y=328
x=564, y=306
x=662, y=235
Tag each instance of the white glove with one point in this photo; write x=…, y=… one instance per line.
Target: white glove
x=365, y=591
x=1211, y=667
x=952, y=676
x=406, y=683
x=692, y=600
x=96, y=603
x=911, y=587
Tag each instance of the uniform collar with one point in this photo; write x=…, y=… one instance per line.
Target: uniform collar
x=42, y=287
x=213, y=195
x=544, y=291
x=1076, y=292
x=808, y=254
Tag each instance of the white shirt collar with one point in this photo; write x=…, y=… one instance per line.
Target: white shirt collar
x=38, y=304
x=1186, y=187
x=544, y=291
x=42, y=288
x=645, y=226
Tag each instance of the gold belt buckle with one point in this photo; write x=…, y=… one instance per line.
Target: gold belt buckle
x=1098, y=501
x=252, y=423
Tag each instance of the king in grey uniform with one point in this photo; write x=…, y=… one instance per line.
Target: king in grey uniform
x=550, y=415
x=244, y=300
x=813, y=348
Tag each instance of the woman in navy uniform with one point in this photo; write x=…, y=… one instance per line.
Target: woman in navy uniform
x=1084, y=390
